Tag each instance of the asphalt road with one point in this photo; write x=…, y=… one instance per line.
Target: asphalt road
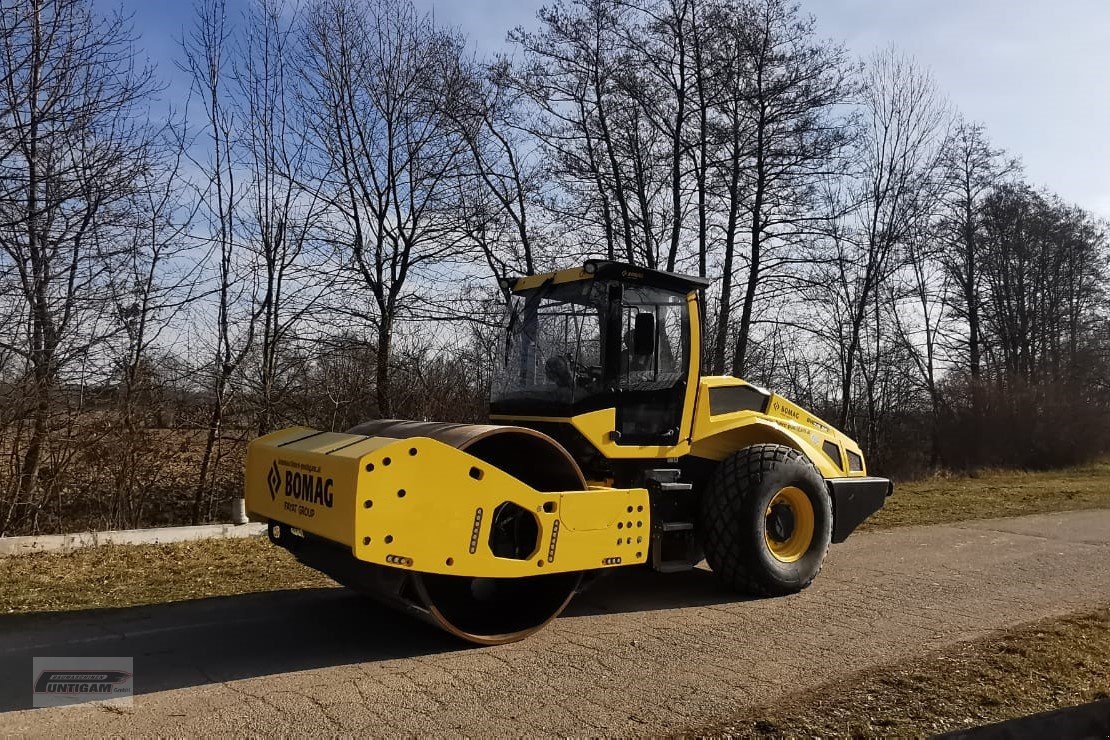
x=640, y=653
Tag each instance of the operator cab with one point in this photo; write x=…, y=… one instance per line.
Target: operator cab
x=609, y=335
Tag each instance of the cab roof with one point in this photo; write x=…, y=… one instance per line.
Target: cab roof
x=607, y=270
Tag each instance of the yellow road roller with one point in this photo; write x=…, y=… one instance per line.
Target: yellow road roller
x=608, y=447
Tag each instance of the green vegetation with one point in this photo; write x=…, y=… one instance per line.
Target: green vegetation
x=992, y=494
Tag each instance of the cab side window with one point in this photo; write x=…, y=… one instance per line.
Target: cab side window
x=653, y=347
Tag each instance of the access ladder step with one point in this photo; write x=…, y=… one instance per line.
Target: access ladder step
x=673, y=547
x=663, y=475
x=666, y=480
x=673, y=566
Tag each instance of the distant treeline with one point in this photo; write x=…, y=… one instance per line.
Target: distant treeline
x=312, y=235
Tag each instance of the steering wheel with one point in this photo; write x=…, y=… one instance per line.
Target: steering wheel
x=589, y=375
x=559, y=369
x=566, y=372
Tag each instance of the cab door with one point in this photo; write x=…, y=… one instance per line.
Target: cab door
x=652, y=372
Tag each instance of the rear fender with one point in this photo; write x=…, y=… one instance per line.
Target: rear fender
x=754, y=430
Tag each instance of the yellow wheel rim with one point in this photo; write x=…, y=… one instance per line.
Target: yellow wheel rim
x=789, y=524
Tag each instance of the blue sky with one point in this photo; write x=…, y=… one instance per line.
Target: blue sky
x=1036, y=73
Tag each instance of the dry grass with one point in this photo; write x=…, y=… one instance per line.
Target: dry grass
x=128, y=575
x=994, y=494
x=103, y=487
x=1043, y=666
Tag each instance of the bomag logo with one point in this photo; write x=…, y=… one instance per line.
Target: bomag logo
x=273, y=480
x=785, y=410
x=309, y=488
x=306, y=485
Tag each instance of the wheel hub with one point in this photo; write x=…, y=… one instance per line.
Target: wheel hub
x=780, y=522
x=789, y=524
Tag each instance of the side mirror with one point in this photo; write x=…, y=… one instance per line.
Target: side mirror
x=643, y=334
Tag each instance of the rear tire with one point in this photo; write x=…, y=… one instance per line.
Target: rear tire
x=766, y=521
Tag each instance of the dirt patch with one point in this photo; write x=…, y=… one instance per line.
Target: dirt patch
x=129, y=575
x=1036, y=668
x=992, y=494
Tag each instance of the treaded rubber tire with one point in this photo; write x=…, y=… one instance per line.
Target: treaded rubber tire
x=733, y=520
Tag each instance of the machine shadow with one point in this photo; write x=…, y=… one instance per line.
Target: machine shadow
x=193, y=643
x=626, y=590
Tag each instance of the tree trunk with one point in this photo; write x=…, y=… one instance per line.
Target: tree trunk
x=215, y=423
x=724, y=309
x=32, y=460
x=385, y=337
x=739, y=360
x=676, y=152
x=971, y=294
x=849, y=370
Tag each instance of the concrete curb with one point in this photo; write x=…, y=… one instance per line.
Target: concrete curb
x=154, y=536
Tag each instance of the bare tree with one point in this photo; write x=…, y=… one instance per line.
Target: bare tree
x=281, y=207
x=709, y=34
x=784, y=132
x=971, y=168
x=919, y=326
x=570, y=70
x=377, y=77
x=1044, y=277
x=501, y=188
x=659, y=80
x=905, y=125
x=207, y=59
x=796, y=85
x=157, y=282
x=74, y=145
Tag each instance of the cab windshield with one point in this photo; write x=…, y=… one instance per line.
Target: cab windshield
x=571, y=346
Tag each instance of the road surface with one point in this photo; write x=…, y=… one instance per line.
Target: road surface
x=640, y=653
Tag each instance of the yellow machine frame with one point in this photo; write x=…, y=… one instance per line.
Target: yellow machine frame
x=417, y=513
x=418, y=503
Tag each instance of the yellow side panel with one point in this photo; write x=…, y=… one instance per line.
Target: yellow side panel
x=716, y=436
x=598, y=426
x=431, y=509
x=418, y=503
